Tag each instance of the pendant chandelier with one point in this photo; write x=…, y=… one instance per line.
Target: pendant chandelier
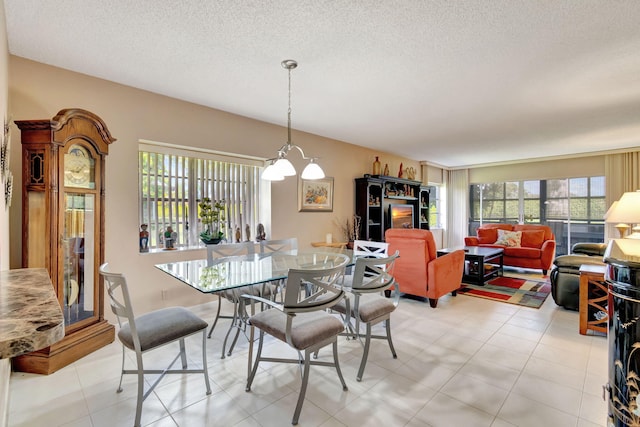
x=279, y=167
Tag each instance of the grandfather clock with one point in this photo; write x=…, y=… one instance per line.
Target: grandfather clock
x=63, y=167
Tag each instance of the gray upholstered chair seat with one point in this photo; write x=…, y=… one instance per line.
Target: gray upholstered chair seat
x=307, y=328
x=161, y=327
x=370, y=307
x=266, y=291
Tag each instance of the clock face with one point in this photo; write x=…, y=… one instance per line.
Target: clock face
x=78, y=168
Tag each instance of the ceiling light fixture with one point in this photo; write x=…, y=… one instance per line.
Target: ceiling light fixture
x=279, y=167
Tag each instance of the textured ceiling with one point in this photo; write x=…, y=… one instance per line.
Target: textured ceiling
x=455, y=83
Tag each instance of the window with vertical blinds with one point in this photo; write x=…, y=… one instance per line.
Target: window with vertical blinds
x=172, y=181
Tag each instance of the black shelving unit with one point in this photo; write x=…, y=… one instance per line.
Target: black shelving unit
x=375, y=196
x=423, y=208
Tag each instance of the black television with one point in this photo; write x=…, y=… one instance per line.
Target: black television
x=401, y=215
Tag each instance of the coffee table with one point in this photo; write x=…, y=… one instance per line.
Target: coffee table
x=480, y=263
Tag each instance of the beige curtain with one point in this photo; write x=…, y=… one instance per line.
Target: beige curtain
x=622, y=174
x=457, y=183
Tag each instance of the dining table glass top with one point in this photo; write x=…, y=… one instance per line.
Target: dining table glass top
x=233, y=272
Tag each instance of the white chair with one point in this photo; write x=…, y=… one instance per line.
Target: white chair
x=150, y=331
x=372, y=276
x=302, y=322
x=368, y=248
x=365, y=249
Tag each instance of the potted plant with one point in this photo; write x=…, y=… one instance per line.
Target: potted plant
x=212, y=217
x=350, y=229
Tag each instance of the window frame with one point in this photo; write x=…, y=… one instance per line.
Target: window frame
x=591, y=224
x=194, y=173
x=436, y=193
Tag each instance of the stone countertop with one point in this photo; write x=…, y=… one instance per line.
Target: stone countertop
x=30, y=315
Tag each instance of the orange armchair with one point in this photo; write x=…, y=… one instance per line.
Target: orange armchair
x=418, y=270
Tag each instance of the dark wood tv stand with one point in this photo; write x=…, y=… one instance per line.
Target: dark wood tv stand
x=376, y=193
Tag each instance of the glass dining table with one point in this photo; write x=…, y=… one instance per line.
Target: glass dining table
x=236, y=271
x=233, y=272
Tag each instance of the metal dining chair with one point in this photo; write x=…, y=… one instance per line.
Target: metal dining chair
x=369, y=248
x=275, y=246
x=365, y=249
x=372, y=277
x=281, y=245
x=220, y=251
x=149, y=332
x=302, y=322
x=225, y=250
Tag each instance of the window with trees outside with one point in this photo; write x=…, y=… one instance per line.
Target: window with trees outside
x=173, y=181
x=436, y=219
x=574, y=208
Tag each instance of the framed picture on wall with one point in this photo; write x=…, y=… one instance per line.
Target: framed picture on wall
x=315, y=195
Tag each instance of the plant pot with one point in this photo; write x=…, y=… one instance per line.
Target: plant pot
x=210, y=241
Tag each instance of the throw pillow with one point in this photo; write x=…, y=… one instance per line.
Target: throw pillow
x=532, y=238
x=487, y=235
x=509, y=238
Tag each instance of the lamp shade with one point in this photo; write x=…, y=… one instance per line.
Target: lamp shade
x=611, y=209
x=271, y=173
x=284, y=167
x=312, y=171
x=626, y=210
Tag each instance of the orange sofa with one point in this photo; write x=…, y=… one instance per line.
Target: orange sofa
x=536, y=247
x=418, y=270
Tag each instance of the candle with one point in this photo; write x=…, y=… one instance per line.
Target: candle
x=329, y=238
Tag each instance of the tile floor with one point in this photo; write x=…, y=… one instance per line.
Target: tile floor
x=470, y=362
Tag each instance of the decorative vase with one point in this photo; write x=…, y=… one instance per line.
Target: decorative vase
x=376, y=166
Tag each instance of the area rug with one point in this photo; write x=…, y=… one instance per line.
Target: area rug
x=525, y=290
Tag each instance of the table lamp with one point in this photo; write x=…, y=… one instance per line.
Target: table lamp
x=624, y=212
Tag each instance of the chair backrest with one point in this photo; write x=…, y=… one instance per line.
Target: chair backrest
x=119, y=300
x=417, y=248
x=278, y=245
x=373, y=274
x=548, y=232
x=322, y=284
x=224, y=250
x=411, y=238
x=367, y=248
x=592, y=249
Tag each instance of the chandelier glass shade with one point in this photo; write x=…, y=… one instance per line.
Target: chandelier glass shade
x=280, y=167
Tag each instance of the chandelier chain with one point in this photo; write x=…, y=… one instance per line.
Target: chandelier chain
x=289, y=110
